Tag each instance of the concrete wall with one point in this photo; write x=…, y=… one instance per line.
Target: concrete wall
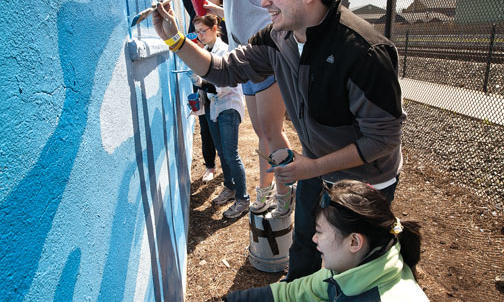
x=95, y=151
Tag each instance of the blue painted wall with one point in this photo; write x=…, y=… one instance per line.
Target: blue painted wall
x=95, y=150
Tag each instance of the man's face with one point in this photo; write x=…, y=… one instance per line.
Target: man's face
x=285, y=14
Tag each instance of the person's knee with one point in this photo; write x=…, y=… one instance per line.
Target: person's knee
x=273, y=135
x=258, y=129
x=231, y=157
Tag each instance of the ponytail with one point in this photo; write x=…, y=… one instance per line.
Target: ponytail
x=410, y=244
x=357, y=207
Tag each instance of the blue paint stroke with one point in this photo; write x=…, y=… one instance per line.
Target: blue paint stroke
x=170, y=274
x=113, y=282
x=66, y=285
x=178, y=131
x=27, y=213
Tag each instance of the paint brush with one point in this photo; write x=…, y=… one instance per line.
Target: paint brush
x=145, y=13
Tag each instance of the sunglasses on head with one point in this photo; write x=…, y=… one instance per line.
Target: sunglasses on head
x=325, y=200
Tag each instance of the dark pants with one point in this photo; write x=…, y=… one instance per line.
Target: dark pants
x=207, y=144
x=304, y=259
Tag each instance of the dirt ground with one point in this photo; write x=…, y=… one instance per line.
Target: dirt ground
x=462, y=249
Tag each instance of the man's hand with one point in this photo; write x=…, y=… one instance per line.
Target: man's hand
x=196, y=80
x=301, y=168
x=214, y=8
x=164, y=21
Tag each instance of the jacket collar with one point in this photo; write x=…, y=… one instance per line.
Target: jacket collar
x=323, y=27
x=384, y=269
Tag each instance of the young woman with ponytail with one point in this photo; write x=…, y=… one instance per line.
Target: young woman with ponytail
x=368, y=253
x=226, y=111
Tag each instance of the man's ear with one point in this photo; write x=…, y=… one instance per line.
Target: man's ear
x=357, y=242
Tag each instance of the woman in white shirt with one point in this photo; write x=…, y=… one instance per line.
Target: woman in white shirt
x=227, y=109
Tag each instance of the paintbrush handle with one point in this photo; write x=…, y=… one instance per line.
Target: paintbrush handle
x=146, y=12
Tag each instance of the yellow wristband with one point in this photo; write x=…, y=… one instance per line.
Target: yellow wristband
x=179, y=45
x=173, y=40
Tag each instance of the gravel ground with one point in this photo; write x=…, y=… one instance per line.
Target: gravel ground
x=469, y=75
x=468, y=149
x=452, y=183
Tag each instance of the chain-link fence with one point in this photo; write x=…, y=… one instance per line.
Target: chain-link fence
x=452, y=79
x=459, y=44
x=452, y=58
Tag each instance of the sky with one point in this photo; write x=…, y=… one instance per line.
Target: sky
x=380, y=3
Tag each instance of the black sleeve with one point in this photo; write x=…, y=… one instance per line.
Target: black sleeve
x=223, y=34
x=208, y=87
x=190, y=11
x=263, y=294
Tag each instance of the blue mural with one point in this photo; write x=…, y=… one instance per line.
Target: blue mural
x=94, y=157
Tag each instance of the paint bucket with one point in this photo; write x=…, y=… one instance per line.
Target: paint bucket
x=194, y=103
x=270, y=240
x=198, y=7
x=282, y=157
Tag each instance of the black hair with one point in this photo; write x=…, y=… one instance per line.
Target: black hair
x=328, y=2
x=359, y=208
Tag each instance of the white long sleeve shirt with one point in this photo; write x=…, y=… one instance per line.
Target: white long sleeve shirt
x=227, y=97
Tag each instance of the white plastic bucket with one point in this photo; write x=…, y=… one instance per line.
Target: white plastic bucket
x=270, y=239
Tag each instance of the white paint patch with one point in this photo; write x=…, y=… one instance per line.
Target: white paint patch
x=144, y=269
x=116, y=125
x=164, y=182
x=152, y=83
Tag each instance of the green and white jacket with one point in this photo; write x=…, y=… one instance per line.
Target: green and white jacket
x=386, y=278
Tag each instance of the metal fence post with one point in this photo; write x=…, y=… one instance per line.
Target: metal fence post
x=489, y=59
x=405, y=54
x=391, y=5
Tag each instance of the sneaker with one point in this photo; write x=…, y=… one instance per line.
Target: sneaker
x=237, y=209
x=264, y=199
x=208, y=175
x=284, y=203
x=224, y=197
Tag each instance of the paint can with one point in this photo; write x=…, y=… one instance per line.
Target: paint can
x=270, y=240
x=193, y=101
x=281, y=157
